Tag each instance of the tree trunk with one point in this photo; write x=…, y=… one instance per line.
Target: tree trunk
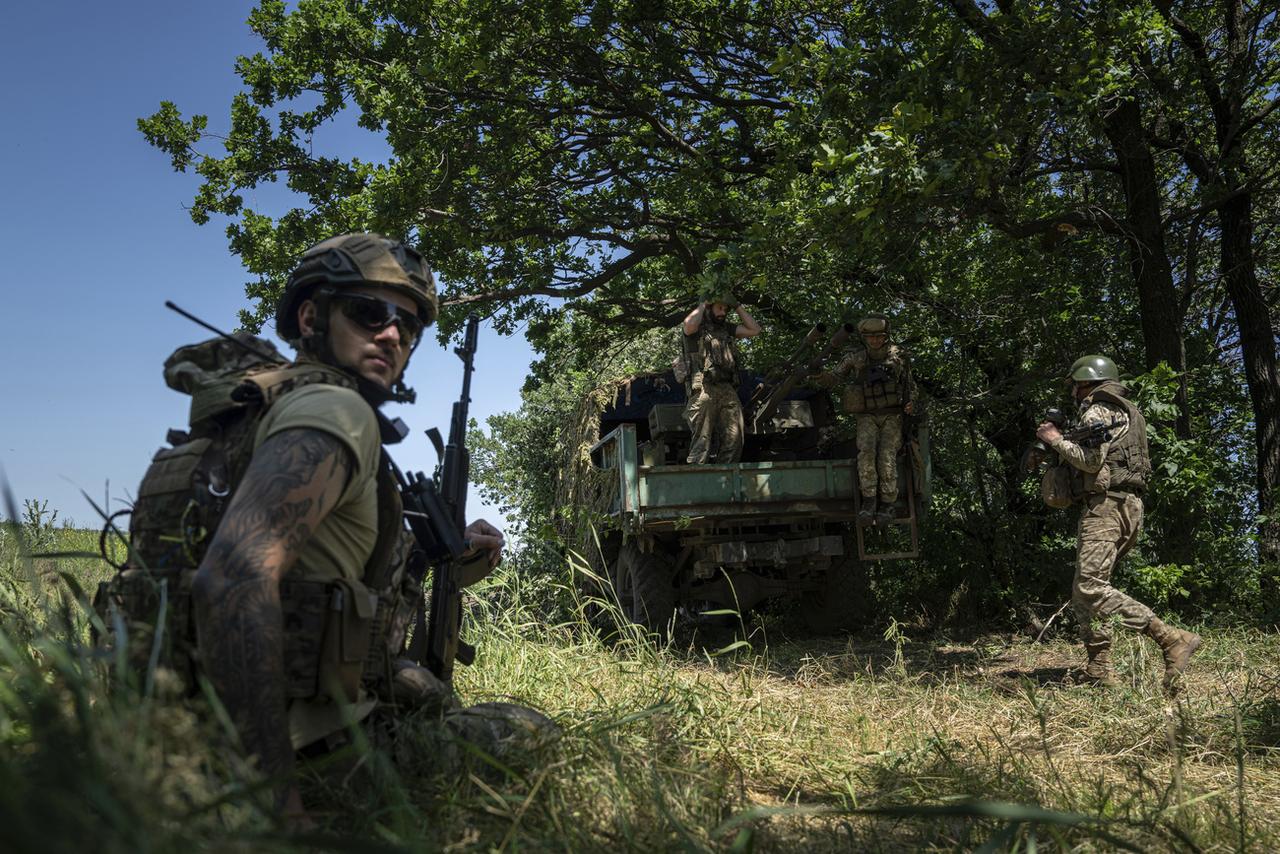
x=1258, y=351
x=1158, y=303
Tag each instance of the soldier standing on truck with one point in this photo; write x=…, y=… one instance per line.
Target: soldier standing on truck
x=714, y=411
x=879, y=391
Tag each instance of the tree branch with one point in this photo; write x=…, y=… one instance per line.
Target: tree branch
x=581, y=287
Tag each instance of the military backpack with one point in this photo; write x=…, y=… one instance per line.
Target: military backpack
x=332, y=632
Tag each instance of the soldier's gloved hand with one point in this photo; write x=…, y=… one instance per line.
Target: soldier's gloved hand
x=1048, y=432
x=909, y=408
x=480, y=536
x=822, y=379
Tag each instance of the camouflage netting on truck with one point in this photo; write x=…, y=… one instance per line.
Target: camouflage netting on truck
x=583, y=492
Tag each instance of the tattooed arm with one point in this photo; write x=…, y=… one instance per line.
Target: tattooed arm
x=292, y=483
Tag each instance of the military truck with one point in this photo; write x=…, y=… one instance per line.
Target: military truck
x=780, y=523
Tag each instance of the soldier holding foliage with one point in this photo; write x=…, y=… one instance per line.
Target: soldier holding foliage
x=1108, y=477
x=714, y=411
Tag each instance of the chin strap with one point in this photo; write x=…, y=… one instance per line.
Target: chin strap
x=376, y=395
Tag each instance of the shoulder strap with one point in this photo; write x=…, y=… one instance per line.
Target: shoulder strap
x=377, y=571
x=275, y=382
x=1107, y=395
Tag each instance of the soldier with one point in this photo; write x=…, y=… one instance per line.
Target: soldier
x=879, y=392
x=299, y=600
x=714, y=411
x=1110, y=480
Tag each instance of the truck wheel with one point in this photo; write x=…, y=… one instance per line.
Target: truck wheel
x=844, y=601
x=642, y=583
x=596, y=590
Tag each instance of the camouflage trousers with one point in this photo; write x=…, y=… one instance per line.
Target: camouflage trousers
x=714, y=413
x=879, y=439
x=1108, y=529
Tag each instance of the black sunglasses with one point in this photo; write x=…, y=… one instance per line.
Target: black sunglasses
x=375, y=315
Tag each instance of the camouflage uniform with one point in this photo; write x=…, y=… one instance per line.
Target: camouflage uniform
x=880, y=385
x=1114, y=477
x=714, y=411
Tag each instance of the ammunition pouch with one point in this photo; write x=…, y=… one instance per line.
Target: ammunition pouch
x=179, y=496
x=680, y=368
x=1061, y=486
x=720, y=375
x=1096, y=483
x=881, y=391
x=853, y=400
x=150, y=603
x=328, y=631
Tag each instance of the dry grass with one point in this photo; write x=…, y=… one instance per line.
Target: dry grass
x=904, y=743
x=847, y=726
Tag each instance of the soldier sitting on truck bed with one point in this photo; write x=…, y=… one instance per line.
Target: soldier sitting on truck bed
x=879, y=391
x=711, y=361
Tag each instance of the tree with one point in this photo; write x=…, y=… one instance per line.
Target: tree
x=1011, y=183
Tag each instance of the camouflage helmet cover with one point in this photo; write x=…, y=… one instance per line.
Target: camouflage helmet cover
x=873, y=324
x=358, y=259
x=1093, y=368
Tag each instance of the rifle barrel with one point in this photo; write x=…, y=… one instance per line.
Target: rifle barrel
x=776, y=374
x=799, y=372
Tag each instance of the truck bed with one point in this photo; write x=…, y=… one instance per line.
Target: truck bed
x=670, y=495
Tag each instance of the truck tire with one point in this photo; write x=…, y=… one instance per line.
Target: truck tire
x=596, y=588
x=843, y=604
x=642, y=583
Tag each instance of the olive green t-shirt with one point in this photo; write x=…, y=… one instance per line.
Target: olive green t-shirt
x=344, y=540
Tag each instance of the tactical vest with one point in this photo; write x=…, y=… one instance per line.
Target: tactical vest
x=717, y=354
x=877, y=386
x=337, y=634
x=1128, y=459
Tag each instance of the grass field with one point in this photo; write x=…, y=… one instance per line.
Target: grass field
x=748, y=740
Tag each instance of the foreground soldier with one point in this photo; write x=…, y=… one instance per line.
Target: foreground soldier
x=1110, y=480
x=279, y=513
x=714, y=411
x=879, y=392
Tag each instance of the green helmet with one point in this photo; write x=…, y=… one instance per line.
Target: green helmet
x=358, y=259
x=1092, y=369
x=873, y=324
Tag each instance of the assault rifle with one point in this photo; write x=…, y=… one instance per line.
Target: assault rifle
x=436, y=510
x=1086, y=435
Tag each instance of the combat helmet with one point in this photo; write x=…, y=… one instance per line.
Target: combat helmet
x=873, y=324
x=357, y=259
x=1092, y=369
x=351, y=260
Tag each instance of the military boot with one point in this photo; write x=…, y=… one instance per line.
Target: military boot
x=885, y=515
x=1097, y=669
x=867, y=515
x=1177, y=645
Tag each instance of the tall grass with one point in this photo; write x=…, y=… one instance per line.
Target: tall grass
x=778, y=743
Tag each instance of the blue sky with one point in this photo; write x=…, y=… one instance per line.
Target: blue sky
x=95, y=238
